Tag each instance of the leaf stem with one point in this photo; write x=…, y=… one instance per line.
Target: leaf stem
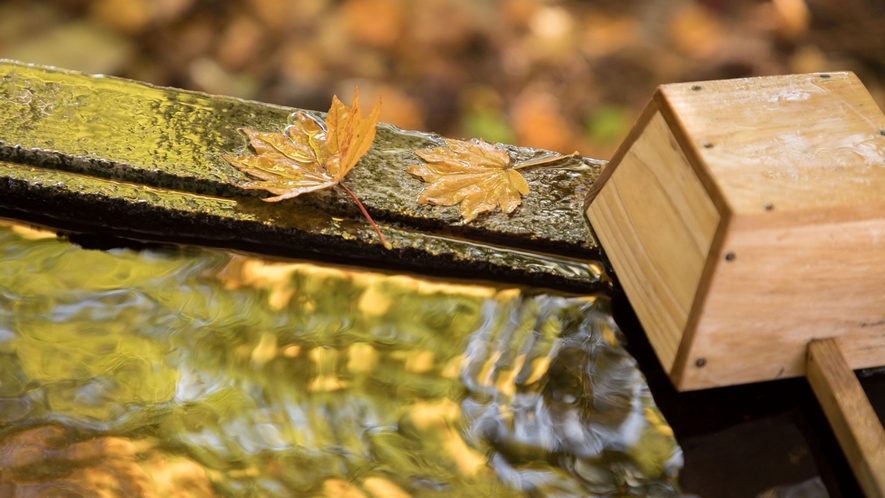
x=545, y=160
x=366, y=214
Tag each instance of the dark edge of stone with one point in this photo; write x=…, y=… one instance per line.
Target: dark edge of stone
x=337, y=203
x=139, y=219
x=491, y=228
x=110, y=170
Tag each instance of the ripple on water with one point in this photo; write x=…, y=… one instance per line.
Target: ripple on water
x=211, y=373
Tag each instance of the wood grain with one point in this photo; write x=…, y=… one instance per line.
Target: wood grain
x=784, y=288
x=808, y=145
x=746, y=218
x=647, y=114
x=852, y=418
x=656, y=222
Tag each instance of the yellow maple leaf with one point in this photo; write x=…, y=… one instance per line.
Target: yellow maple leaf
x=310, y=155
x=476, y=175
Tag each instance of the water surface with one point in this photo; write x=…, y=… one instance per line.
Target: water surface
x=193, y=372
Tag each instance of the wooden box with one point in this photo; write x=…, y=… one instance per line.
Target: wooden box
x=745, y=218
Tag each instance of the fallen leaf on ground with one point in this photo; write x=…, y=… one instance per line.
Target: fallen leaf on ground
x=310, y=155
x=476, y=175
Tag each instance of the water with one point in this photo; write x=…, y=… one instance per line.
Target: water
x=192, y=372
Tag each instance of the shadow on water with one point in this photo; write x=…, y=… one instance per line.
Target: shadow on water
x=766, y=440
x=168, y=372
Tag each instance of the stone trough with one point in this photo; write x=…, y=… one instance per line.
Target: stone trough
x=110, y=155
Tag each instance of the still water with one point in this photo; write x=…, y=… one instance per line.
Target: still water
x=188, y=372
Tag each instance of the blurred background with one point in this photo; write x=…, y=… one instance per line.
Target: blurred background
x=560, y=75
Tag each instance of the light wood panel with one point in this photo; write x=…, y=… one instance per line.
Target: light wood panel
x=656, y=223
x=784, y=288
x=810, y=145
x=783, y=178
x=852, y=418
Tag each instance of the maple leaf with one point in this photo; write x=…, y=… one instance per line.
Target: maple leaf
x=476, y=175
x=310, y=155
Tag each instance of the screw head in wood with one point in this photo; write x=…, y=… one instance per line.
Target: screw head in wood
x=700, y=362
x=696, y=87
x=768, y=206
x=708, y=145
x=882, y=131
x=824, y=75
x=730, y=256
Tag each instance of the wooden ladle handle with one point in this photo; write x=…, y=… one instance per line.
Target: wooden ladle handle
x=851, y=416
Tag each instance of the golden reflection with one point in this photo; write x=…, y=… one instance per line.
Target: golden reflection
x=435, y=423
x=608, y=334
x=505, y=381
x=265, y=351
x=203, y=373
x=379, y=292
x=29, y=232
x=419, y=362
x=336, y=488
x=382, y=488
x=361, y=358
x=326, y=378
x=539, y=367
x=452, y=369
x=105, y=467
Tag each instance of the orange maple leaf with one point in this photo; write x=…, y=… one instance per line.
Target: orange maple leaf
x=310, y=155
x=476, y=175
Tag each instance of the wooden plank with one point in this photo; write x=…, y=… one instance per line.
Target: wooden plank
x=657, y=223
x=810, y=146
x=852, y=418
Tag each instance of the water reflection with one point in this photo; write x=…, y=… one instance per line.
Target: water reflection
x=203, y=373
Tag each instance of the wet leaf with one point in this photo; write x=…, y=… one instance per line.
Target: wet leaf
x=474, y=174
x=310, y=155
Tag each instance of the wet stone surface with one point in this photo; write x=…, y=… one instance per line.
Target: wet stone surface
x=80, y=203
x=159, y=140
